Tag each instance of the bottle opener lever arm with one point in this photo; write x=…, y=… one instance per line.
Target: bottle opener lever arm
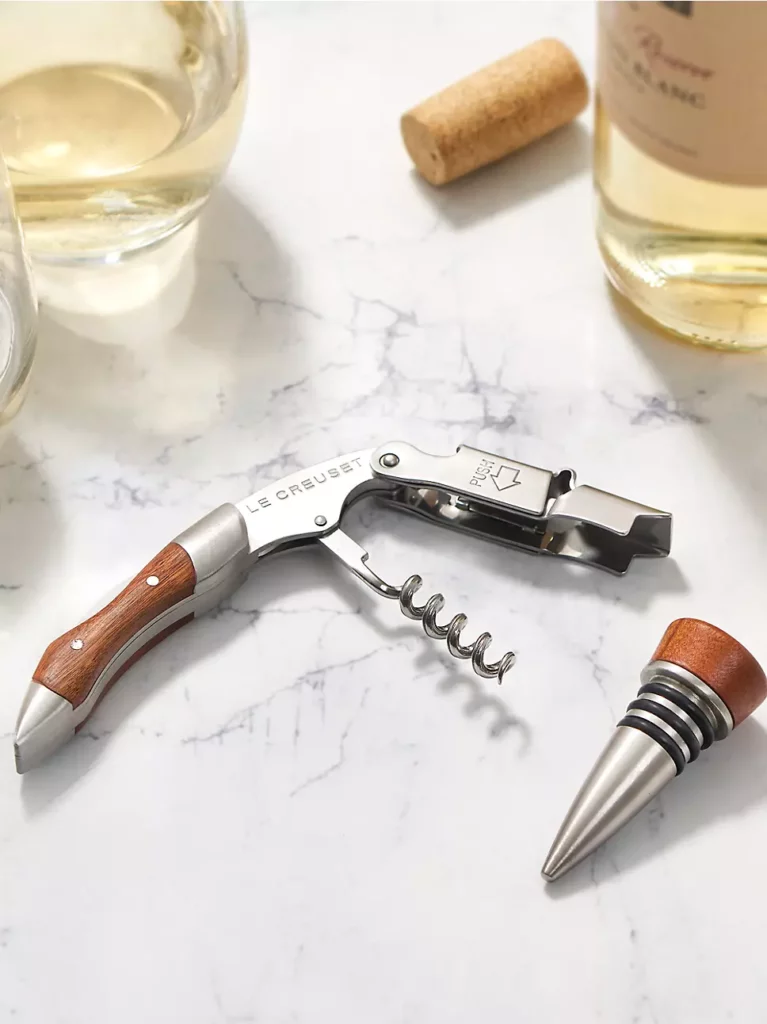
x=508, y=502
x=524, y=506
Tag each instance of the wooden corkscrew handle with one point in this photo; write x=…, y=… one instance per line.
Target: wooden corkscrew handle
x=73, y=663
x=188, y=577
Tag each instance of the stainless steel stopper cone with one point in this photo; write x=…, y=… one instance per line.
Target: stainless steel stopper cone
x=699, y=685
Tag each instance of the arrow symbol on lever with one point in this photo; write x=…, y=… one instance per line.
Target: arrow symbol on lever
x=505, y=478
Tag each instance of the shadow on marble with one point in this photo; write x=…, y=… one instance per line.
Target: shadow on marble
x=269, y=584
x=158, y=668
x=480, y=703
x=501, y=722
x=143, y=296
x=722, y=395
x=30, y=526
x=520, y=177
x=267, y=587
x=163, y=368
x=728, y=780
x=646, y=580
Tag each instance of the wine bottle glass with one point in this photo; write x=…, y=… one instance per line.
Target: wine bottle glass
x=18, y=307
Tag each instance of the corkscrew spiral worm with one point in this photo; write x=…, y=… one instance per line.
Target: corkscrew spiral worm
x=427, y=615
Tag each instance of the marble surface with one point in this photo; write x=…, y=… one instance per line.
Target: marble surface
x=299, y=809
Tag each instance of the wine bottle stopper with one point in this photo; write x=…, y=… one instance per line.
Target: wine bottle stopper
x=495, y=111
x=700, y=684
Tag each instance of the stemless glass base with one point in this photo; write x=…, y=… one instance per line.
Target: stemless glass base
x=104, y=243
x=18, y=307
x=14, y=399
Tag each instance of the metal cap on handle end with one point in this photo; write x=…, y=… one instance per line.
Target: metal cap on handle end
x=46, y=722
x=700, y=684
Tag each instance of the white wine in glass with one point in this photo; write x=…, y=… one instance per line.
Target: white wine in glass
x=116, y=119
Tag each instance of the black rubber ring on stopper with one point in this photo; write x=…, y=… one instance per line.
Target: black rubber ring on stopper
x=670, y=718
x=696, y=714
x=660, y=737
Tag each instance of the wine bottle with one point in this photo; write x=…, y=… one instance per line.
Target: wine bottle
x=681, y=165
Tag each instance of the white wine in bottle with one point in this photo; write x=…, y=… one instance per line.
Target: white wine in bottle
x=681, y=165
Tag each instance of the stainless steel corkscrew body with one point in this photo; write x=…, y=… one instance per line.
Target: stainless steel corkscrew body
x=473, y=491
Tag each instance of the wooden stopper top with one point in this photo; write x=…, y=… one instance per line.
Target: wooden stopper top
x=494, y=111
x=721, y=662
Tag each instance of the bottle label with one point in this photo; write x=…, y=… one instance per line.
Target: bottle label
x=686, y=82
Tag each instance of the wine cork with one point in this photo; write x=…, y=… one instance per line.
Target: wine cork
x=494, y=111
